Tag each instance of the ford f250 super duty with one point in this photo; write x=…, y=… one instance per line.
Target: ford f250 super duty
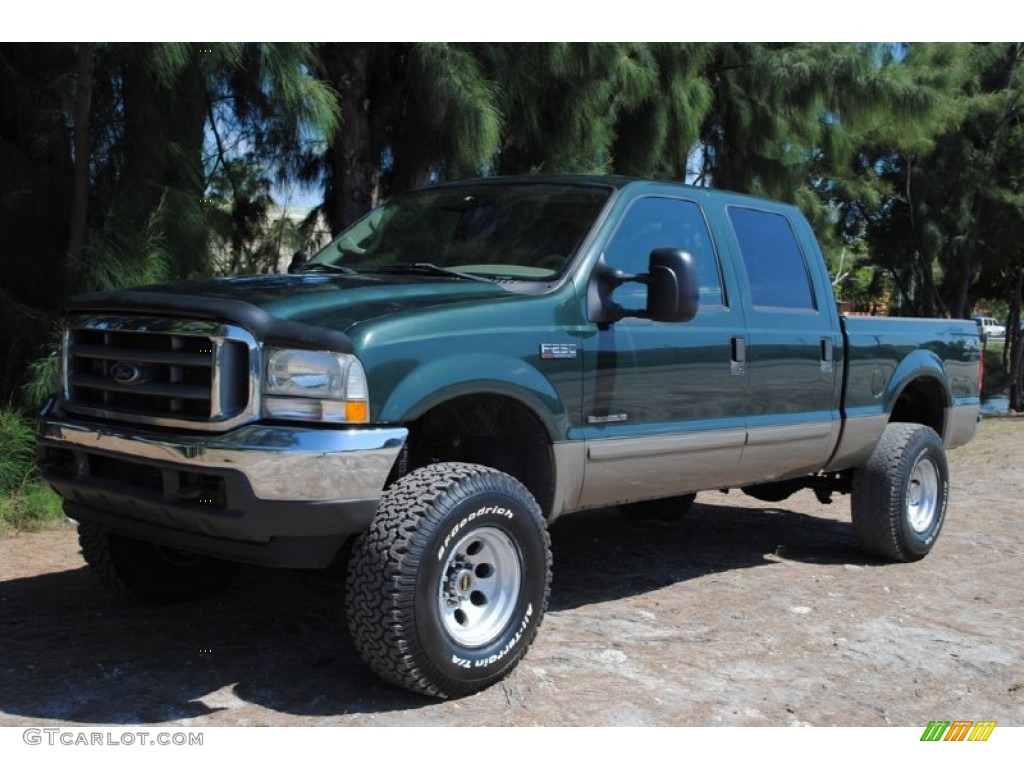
x=465, y=365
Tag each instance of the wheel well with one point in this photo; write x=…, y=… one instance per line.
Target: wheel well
x=493, y=430
x=921, y=402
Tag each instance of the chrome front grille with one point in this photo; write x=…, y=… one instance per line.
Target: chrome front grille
x=191, y=374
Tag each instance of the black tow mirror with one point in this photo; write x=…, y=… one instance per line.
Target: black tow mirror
x=671, y=281
x=299, y=259
x=671, y=286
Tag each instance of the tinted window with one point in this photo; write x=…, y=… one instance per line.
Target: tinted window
x=528, y=231
x=775, y=265
x=661, y=222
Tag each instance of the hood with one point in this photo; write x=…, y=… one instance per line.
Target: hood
x=337, y=302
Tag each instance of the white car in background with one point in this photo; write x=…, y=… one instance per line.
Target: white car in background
x=989, y=327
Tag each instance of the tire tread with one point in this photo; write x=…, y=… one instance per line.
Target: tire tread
x=877, y=498
x=381, y=584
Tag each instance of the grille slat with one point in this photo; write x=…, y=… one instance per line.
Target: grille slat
x=92, y=351
x=154, y=389
x=158, y=370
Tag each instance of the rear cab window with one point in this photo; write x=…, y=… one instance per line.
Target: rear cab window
x=774, y=262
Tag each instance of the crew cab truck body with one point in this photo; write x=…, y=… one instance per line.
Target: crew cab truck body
x=465, y=365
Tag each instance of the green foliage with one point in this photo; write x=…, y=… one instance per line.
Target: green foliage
x=25, y=503
x=907, y=158
x=118, y=257
x=152, y=114
x=452, y=123
x=43, y=377
x=30, y=508
x=17, y=450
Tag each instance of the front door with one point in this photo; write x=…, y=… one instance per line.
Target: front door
x=664, y=402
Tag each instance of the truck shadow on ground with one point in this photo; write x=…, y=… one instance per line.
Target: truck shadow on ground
x=73, y=652
x=601, y=555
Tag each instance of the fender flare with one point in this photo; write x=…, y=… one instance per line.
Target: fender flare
x=484, y=373
x=918, y=366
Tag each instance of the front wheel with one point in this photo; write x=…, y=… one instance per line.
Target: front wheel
x=149, y=572
x=901, y=494
x=447, y=589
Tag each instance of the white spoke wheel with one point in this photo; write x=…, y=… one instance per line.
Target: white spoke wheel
x=900, y=496
x=479, y=587
x=923, y=495
x=447, y=589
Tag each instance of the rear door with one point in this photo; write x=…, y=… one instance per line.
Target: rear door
x=793, y=345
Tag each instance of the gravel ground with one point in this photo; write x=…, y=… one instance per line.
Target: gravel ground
x=744, y=613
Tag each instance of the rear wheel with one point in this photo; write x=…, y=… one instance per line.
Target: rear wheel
x=447, y=589
x=150, y=572
x=900, y=496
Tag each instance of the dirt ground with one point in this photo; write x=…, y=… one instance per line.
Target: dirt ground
x=744, y=613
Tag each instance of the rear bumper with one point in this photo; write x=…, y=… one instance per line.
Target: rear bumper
x=273, y=495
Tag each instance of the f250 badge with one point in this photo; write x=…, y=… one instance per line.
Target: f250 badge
x=557, y=351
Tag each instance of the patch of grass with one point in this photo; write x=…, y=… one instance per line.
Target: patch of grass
x=17, y=450
x=25, y=502
x=31, y=507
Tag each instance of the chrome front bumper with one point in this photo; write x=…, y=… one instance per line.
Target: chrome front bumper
x=280, y=463
x=229, y=495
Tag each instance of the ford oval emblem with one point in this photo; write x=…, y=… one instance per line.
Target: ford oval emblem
x=126, y=373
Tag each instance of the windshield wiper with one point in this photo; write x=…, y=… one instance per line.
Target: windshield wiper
x=323, y=267
x=424, y=267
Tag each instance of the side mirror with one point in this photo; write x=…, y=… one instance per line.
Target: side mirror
x=672, y=295
x=299, y=259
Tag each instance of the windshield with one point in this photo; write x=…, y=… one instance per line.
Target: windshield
x=511, y=231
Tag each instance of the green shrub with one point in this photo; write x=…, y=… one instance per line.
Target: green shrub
x=31, y=507
x=43, y=379
x=25, y=502
x=17, y=450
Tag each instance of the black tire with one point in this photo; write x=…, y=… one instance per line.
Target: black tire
x=149, y=572
x=670, y=510
x=447, y=589
x=900, y=496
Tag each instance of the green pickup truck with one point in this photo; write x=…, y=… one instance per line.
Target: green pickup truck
x=465, y=365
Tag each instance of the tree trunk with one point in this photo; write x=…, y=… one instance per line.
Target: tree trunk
x=353, y=169
x=1015, y=340
x=80, y=183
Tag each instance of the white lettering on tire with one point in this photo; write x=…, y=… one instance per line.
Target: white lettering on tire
x=495, y=657
x=500, y=511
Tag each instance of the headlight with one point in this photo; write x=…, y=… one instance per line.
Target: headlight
x=310, y=385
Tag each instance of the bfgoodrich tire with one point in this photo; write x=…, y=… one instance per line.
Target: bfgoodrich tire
x=447, y=589
x=149, y=572
x=901, y=494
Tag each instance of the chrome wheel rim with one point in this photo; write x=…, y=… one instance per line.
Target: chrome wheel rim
x=479, y=587
x=923, y=495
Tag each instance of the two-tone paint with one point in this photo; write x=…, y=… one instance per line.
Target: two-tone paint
x=633, y=409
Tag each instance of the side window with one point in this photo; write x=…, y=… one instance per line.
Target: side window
x=662, y=222
x=775, y=265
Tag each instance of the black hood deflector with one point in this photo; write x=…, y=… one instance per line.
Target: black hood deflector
x=270, y=330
